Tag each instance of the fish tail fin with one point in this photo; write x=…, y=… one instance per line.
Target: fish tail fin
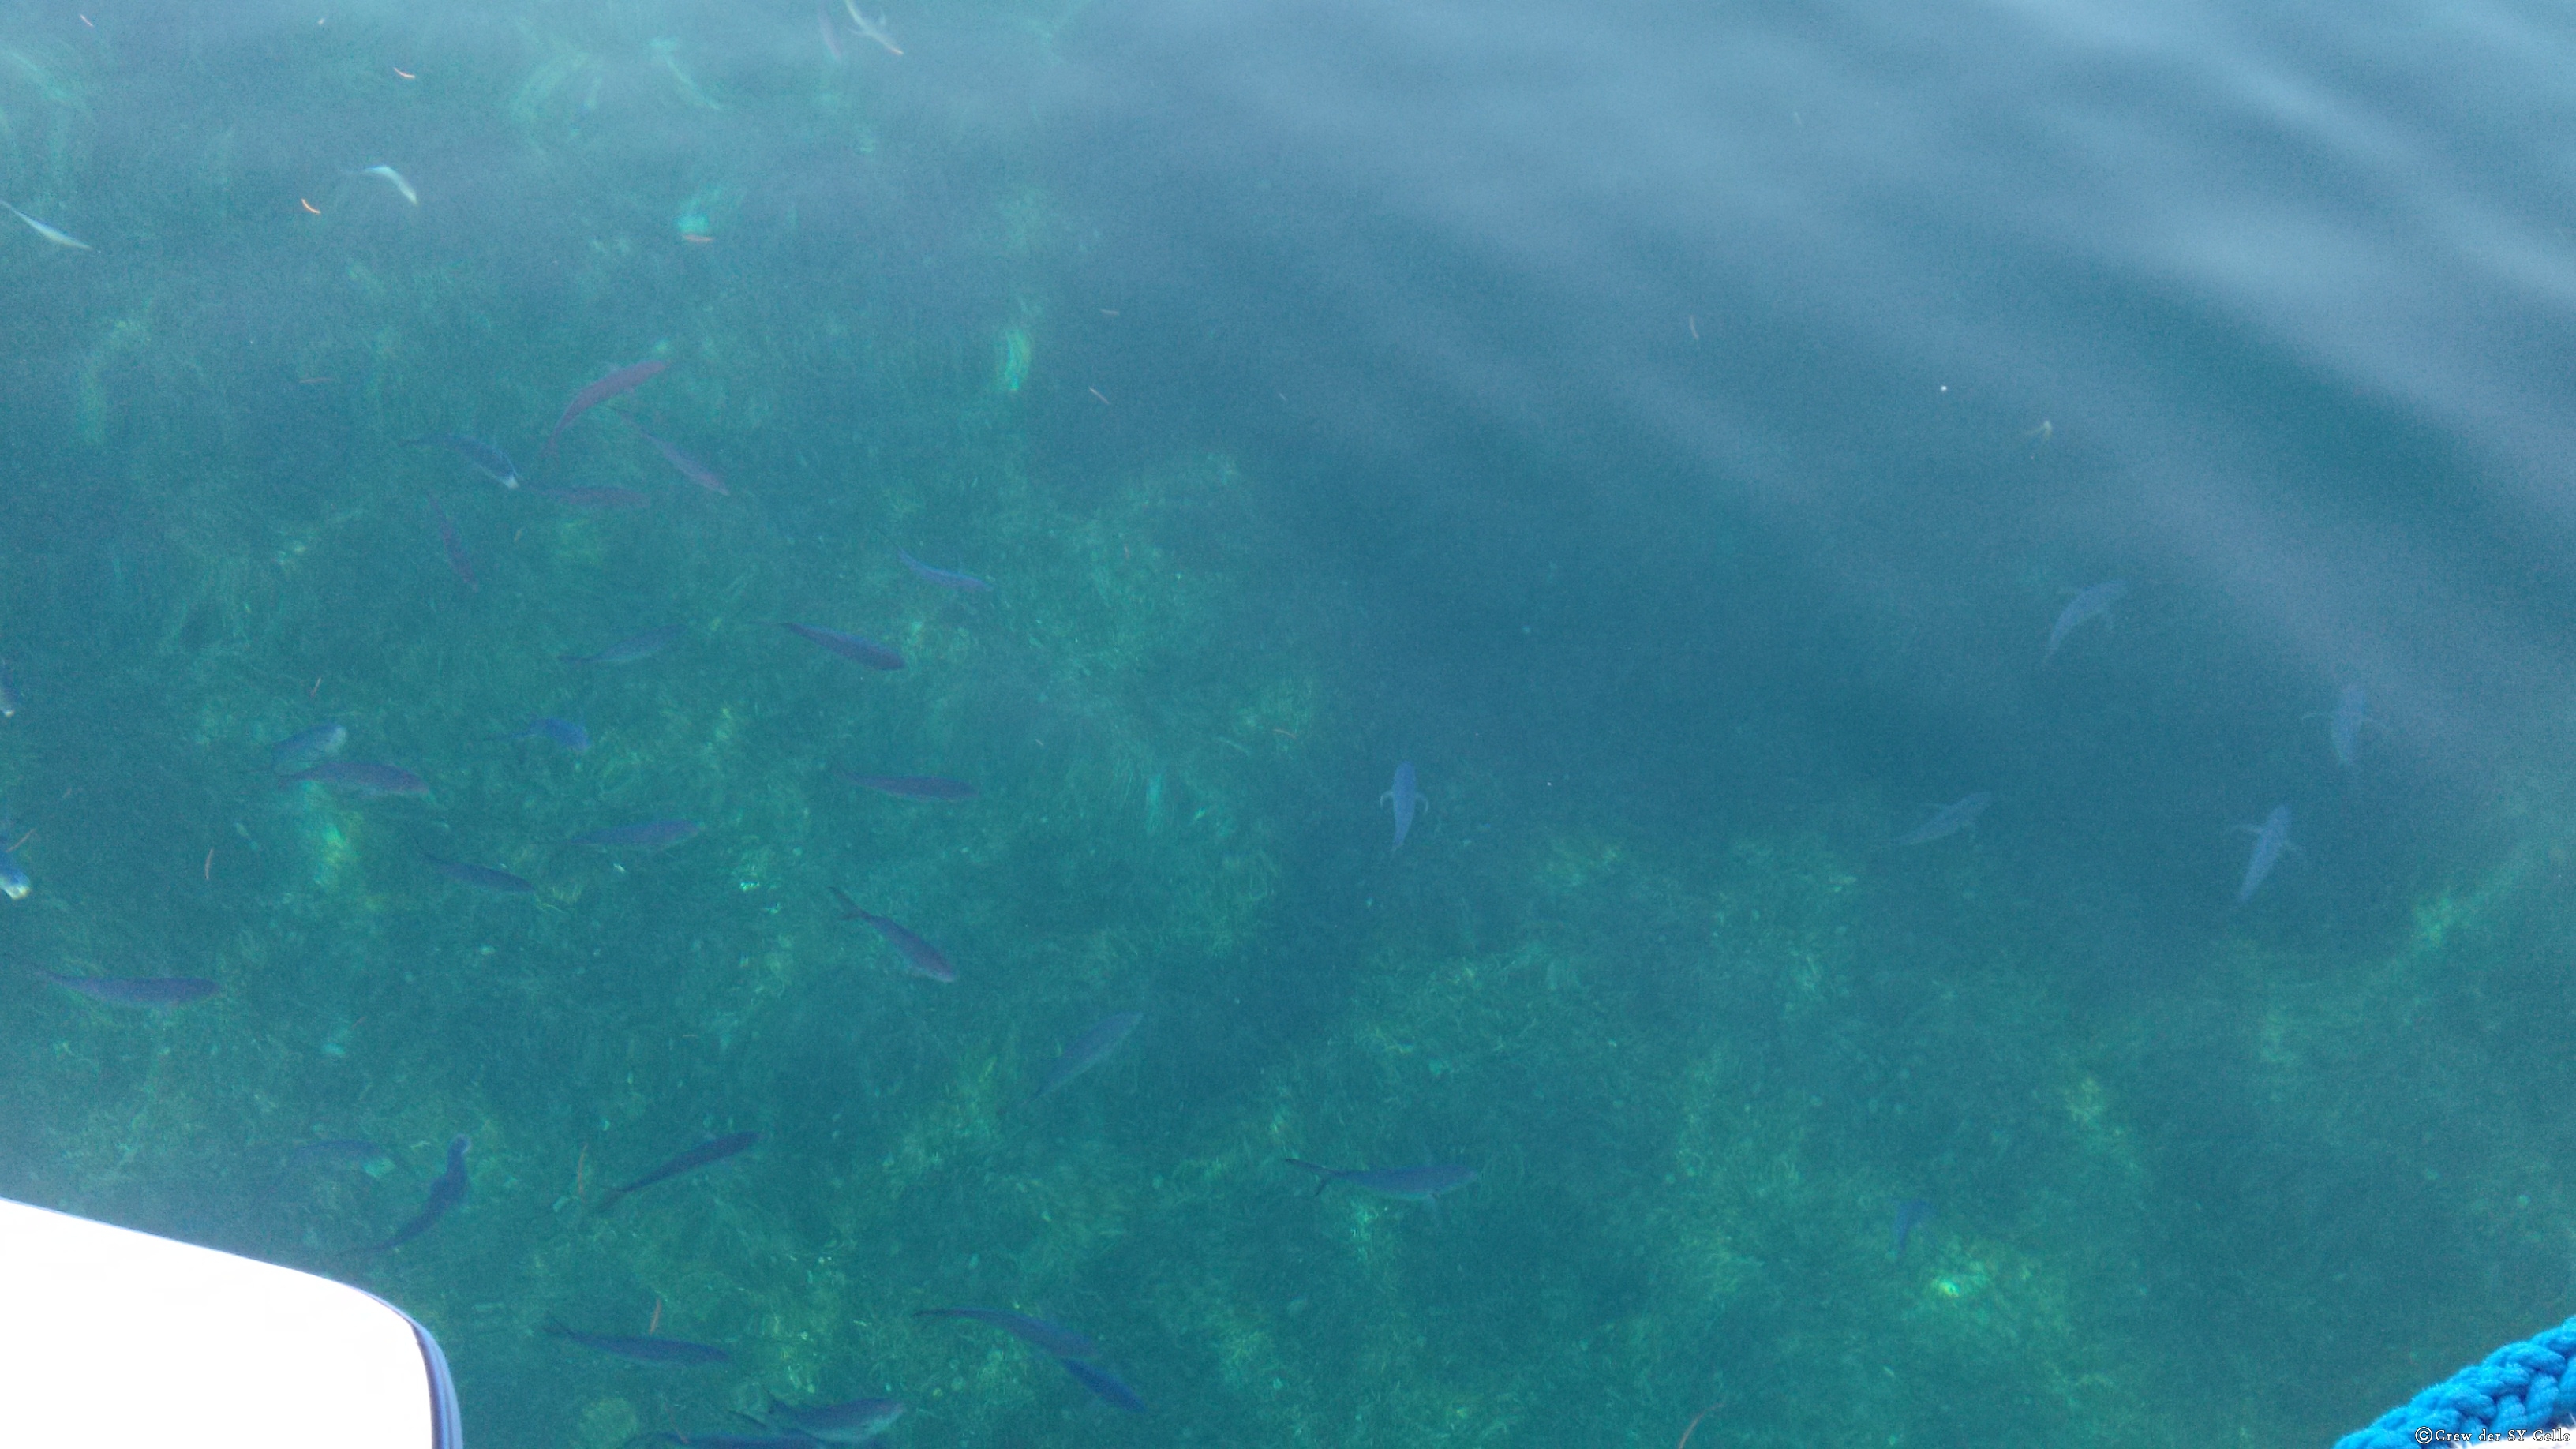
x=849, y=908
x=1324, y=1175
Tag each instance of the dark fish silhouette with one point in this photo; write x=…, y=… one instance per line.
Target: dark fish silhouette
x=1087, y=1051
x=359, y=777
x=481, y=877
x=567, y=733
x=643, y=1350
x=624, y=379
x=921, y=956
x=489, y=460
x=945, y=578
x=714, y=1149
x=1414, y=1184
x=458, y=560
x=445, y=1193
x=1045, y=1337
x=152, y=991
x=596, y=497
x=848, y=646
x=690, y=468
x=1949, y=819
x=912, y=787
x=643, y=835
x=304, y=751
x=855, y=1422
x=1104, y=1383
x=628, y=650
x=1407, y=798
x=1912, y=1213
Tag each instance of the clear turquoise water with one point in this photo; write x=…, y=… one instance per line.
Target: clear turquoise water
x=1675, y=431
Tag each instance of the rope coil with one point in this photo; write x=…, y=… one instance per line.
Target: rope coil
x=2521, y=1386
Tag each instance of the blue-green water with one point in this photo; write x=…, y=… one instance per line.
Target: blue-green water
x=1674, y=430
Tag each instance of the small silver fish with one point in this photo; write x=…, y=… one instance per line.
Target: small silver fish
x=2343, y=727
x=1088, y=1051
x=872, y=29
x=56, y=236
x=855, y=1422
x=396, y=177
x=627, y=651
x=919, y=956
x=689, y=468
x=2093, y=603
x=945, y=578
x=358, y=777
x=649, y=1348
x=311, y=747
x=155, y=992
x=1949, y=819
x=643, y=835
x=490, y=461
x=1112, y=1389
x=849, y=646
x=13, y=877
x=567, y=733
x=1037, y=1333
x=1413, y=1184
x=2270, y=839
x=1406, y=799
x=481, y=877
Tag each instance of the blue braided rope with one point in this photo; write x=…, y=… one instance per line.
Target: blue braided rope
x=2519, y=1386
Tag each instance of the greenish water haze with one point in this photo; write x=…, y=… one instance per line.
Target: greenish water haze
x=1675, y=434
